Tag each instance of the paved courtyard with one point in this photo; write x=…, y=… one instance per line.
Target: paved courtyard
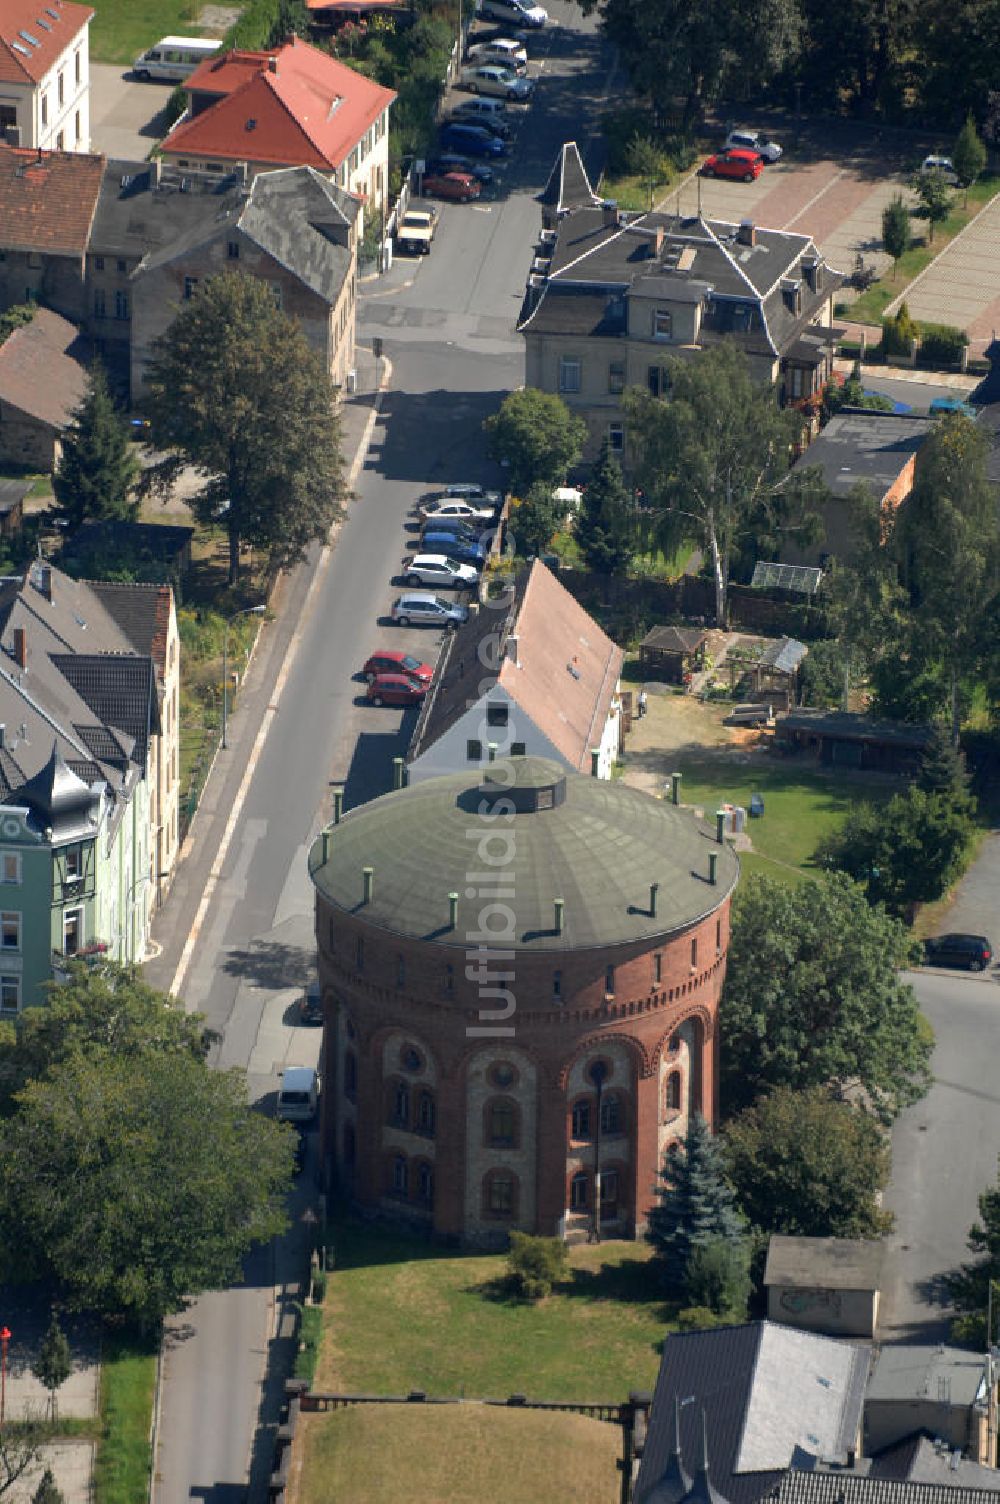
x=962, y=286
x=126, y=117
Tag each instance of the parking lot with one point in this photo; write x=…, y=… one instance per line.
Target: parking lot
x=127, y=118
x=836, y=195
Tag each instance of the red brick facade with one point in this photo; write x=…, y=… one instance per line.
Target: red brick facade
x=471, y=1126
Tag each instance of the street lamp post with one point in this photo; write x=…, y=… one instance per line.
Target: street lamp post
x=4, y=1340
x=598, y=1071
x=247, y=611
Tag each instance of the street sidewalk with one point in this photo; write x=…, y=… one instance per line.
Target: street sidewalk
x=173, y=923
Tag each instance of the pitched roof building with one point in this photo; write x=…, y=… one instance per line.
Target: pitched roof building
x=771, y=1398
x=610, y=294
x=43, y=377
x=291, y=107
x=47, y=206
x=45, y=74
x=530, y=674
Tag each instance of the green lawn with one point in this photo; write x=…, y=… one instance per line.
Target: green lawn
x=399, y=1315
x=128, y=1378
x=801, y=806
x=871, y=305
x=121, y=29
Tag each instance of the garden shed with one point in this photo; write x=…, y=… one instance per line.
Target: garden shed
x=775, y=675
x=843, y=739
x=829, y=1285
x=671, y=652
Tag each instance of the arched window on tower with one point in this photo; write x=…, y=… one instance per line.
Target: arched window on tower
x=581, y=1127
x=400, y=1177
x=426, y=1114
x=672, y=1096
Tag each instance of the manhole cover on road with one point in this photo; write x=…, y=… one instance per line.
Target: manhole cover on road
x=218, y=17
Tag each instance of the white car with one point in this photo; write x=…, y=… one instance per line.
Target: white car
x=503, y=50
x=499, y=82
x=517, y=12
x=754, y=141
x=944, y=165
x=457, y=511
x=437, y=569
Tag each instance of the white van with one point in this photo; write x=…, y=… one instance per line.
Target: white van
x=298, y=1095
x=174, y=58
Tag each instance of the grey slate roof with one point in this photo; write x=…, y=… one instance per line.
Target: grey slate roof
x=568, y=186
x=137, y=214
x=599, y=851
x=119, y=688
x=680, y=259
x=824, y=1263
x=852, y=1488
x=922, y=1459
x=769, y=1393
x=918, y=1373
x=864, y=446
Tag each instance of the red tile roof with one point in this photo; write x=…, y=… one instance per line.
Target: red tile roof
x=34, y=34
x=294, y=107
x=40, y=372
x=47, y=199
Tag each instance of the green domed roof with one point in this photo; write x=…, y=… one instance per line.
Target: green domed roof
x=522, y=833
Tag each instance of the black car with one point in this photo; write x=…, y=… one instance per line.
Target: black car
x=451, y=162
x=973, y=952
x=311, y=1005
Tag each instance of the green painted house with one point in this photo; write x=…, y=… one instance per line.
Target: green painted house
x=79, y=714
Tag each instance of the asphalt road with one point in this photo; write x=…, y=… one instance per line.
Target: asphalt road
x=944, y=1153
x=447, y=323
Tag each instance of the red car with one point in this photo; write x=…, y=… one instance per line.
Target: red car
x=460, y=187
x=736, y=163
x=395, y=689
x=398, y=663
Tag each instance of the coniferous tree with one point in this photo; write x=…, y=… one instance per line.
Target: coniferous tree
x=696, y=1205
x=601, y=526
x=969, y=155
x=942, y=770
x=97, y=468
x=54, y=1364
x=48, y=1491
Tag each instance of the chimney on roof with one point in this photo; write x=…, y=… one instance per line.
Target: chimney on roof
x=157, y=171
x=747, y=232
x=609, y=214
x=657, y=249
x=513, y=643
x=272, y=65
x=20, y=647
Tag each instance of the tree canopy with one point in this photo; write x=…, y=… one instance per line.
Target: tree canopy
x=153, y=1165
x=812, y=996
x=537, y=436
x=805, y=1164
x=97, y=470
x=896, y=229
x=602, y=523
x=236, y=390
x=535, y=519
x=710, y=460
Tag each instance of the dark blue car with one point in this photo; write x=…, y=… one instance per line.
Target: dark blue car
x=472, y=140
x=454, y=546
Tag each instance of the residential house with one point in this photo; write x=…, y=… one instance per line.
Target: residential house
x=43, y=377
x=80, y=715
x=610, y=295
x=737, y=1406
x=147, y=615
x=45, y=74
x=292, y=229
x=829, y=1285
x=47, y=204
x=293, y=106
x=530, y=674
x=876, y=450
x=946, y=1392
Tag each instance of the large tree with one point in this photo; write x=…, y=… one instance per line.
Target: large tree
x=602, y=523
x=535, y=520
x=97, y=469
x=236, y=390
x=536, y=436
x=803, y=1163
x=813, y=996
x=975, y=1287
x=949, y=537
x=906, y=852
x=696, y=1204
x=139, y=1182
x=713, y=462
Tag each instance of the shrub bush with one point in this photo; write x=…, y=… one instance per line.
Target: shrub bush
x=898, y=332
x=319, y=1287
x=534, y=1265
x=942, y=345
x=620, y=128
